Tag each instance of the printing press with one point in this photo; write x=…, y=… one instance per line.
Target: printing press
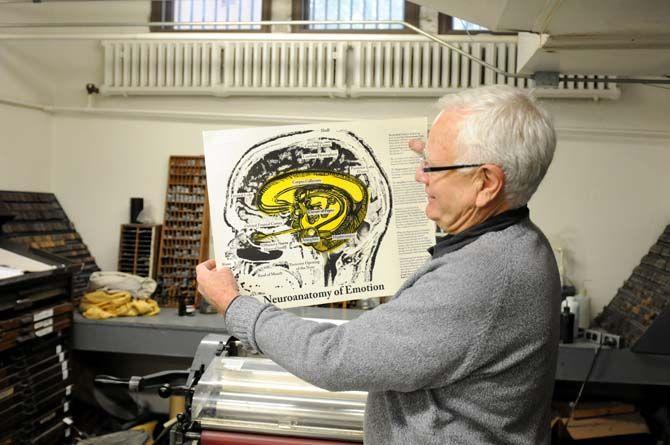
x=233, y=397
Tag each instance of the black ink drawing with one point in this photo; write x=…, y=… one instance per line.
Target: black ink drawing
x=308, y=208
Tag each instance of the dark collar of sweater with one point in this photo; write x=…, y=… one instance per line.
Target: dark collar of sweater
x=451, y=243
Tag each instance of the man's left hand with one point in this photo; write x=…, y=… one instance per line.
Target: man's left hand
x=217, y=286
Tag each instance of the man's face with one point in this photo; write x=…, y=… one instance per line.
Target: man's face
x=451, y=195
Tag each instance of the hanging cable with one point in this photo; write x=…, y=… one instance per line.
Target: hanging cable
x=573, y=406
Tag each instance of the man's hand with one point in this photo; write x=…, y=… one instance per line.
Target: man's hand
x=217, y=286
x=417, y=146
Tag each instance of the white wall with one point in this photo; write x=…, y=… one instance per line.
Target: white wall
x=102, y=163
x=24, y=150
x=604, y=198
x=25, y=146
x=603, y=201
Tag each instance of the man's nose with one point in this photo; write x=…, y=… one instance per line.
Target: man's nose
x=419, y=175
x=418, y=146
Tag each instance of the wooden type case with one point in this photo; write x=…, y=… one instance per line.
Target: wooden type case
x=185, y=237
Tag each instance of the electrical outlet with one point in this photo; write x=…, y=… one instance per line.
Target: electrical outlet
x=604, y=338
x=593, y=336
x=611, y=340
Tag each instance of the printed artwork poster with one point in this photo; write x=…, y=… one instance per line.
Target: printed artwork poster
x=313, y=214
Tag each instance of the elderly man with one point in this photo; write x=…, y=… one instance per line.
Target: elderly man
x=465, y=352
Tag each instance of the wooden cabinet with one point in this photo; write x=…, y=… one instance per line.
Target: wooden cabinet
x=35, y=363
x=138, y=249
x=185, y=238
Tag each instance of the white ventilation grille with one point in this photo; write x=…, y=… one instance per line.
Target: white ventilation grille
x=375, y=66
x=427, y=68
x=283, y=68
x=224, y=68
x=172, y=67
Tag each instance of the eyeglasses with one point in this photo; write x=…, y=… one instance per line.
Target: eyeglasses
x=429, y=169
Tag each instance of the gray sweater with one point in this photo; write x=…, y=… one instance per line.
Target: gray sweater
x=465, y=353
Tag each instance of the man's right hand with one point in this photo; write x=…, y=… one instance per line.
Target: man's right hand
x=417, y=146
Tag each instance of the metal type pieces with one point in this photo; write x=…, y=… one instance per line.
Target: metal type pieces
x=35, y=324
x=642, y=298
x=35, y=311
x=41, y=223
x=34, y=392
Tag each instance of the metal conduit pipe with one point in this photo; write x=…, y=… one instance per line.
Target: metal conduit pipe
x=214, y=117
x=172, y=114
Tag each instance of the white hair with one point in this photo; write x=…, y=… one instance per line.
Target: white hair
x=507, y=127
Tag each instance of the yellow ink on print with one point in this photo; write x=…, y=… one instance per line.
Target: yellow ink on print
x=319, y=205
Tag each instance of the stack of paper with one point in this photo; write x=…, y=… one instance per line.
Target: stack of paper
x=13, y=264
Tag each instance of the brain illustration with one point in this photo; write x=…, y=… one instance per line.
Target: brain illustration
x=308, y=208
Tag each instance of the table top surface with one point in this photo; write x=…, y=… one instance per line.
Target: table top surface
x=169, y=318
x=167, y=334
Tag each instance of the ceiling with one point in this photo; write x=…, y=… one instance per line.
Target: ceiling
x=617, y=37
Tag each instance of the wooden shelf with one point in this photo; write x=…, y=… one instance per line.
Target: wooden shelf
x=138, y=249
x=185, y=229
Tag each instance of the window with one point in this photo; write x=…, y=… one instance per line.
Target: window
x=462, y=25
x=355, y=10
x=454, y=25
x=210, y=11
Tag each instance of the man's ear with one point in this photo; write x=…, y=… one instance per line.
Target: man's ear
x=491, y=182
